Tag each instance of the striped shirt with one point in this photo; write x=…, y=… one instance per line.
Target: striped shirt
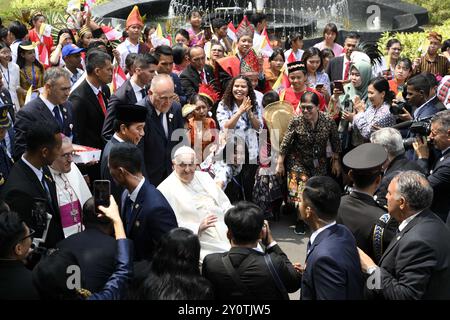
x=440, y=65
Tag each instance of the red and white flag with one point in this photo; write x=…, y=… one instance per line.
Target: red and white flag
x=43, y=57
x=119, y=77
x=231, y=32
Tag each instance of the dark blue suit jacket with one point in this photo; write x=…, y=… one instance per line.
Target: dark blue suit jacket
x=151, y=217
x=333, y=270
x=179, y=88
x=155, y=146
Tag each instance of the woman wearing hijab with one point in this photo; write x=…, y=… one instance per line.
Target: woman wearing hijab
x=353, y=98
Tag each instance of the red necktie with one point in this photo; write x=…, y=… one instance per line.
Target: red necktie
x=101, y=102
x=347, y=70
x=202, y=77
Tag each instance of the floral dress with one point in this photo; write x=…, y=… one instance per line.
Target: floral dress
x=305, y=151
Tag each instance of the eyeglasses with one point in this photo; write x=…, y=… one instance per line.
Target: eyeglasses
x=30, y=235
x=307, y=108
x=68, y=154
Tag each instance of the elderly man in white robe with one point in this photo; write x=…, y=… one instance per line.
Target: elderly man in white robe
x=71, y=189
x=199, y=204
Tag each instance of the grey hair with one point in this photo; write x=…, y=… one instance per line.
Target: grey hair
x=66, y=139
x=415, y=188
x=443, y=119
x=52, y=74
x=390, y=139
x=159, y=79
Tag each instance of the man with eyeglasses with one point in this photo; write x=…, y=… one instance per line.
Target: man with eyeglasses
x=71, y=189
x=164, y=128
x=15, y=244
x=439, y=172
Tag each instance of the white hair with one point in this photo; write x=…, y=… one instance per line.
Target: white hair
x=159, y=80
x=390, y=139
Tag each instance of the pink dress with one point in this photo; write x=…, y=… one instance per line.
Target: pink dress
x=337, y=49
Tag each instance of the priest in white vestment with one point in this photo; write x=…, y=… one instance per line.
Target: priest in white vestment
x=199, y=204
x=71, y=189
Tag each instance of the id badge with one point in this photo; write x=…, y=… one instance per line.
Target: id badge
x=316, y=163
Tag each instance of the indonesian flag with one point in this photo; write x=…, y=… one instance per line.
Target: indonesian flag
x=119, y=78
x=231, y=32
x=282, y=81
x=157, y=38
x=43, y=57
x=291, y=58
x=111, y=33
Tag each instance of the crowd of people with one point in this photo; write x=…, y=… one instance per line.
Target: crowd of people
x=203, y=145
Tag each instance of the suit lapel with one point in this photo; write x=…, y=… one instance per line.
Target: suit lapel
x=33, y=179
x=137, y=207
x=400, y=235
x=90, y=95
x=51, y=186
x=129, y=92
x=158, y=124
x=321, y=236
x=442, y=160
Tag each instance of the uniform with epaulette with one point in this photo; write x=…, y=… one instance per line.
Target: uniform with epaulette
x=369, y=223
x=6, y=161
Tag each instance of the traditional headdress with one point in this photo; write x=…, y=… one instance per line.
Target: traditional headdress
x=435, y=35
x=244, y=29
x=209, y=92
x=296, y=66
x=83, y=31
x=134, y=18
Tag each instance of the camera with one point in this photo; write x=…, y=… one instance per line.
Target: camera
x=421, y=127
x=398, y=109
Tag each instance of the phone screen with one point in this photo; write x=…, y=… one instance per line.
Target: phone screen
x=339, y=85
x=319, y=86
x=102, y=191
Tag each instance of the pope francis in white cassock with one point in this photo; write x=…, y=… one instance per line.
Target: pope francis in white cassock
x=199, y=204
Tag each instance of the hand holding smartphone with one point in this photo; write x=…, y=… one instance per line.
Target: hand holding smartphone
x=102, y=191
x=338, y=85
x=319, y=86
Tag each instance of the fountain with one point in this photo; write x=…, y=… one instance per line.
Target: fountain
x=284, y=16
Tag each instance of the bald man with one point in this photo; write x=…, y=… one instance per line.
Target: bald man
x=164, y=128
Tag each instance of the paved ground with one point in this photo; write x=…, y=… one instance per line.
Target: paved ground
x=292, y=244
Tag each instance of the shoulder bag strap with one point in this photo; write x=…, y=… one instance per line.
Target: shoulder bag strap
x=275, y=277
x=234, y=275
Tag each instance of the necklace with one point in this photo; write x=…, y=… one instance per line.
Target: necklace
x=69, y=195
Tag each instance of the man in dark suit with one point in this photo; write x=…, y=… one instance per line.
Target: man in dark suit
x=439, y=173
x=30, y=190
x=90, y=100
x=416, y=264
x=196, y=72
x=392, y=141
x=52, y=105
x=333, y=271
x=95, y=248
x=161, y=134
x=359, y=211
x=418, y=96
x=164, y=56
x=339, y=67
x=129, y=127
x=132, y=91
x=246, y=271
x=146, y=213
x=15, y=243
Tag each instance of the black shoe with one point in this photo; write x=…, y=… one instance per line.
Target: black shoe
x=300, y=228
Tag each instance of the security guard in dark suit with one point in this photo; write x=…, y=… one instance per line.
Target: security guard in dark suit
x=369, y=223
x=6, y=161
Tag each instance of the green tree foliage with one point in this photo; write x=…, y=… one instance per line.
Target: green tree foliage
x=414, y=44
x=438, y=10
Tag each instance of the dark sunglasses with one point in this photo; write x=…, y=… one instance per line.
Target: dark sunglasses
x=309, y=108
x=30, y=235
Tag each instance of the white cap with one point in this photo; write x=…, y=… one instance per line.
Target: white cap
x=183, y=150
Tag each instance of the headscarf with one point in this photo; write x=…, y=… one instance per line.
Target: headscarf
x=365, y=70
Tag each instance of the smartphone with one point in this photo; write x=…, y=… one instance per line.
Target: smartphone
x=338, y=85
x=319, y=86
x=102, y=191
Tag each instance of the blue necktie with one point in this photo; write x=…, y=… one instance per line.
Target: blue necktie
x=58, y=118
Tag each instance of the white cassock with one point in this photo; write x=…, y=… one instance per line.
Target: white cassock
x=193, y=202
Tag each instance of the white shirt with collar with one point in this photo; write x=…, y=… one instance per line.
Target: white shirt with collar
x=116, y=136
x=316, y=233
x=135, y=192
x=137, y=91
x=406, y=221
x=49, y=105
x=419, y=108
x=74, y=77
x=125, y=48
x=38, y=172
x=95, y=89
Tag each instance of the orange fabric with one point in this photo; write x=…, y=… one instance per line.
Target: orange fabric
x=134, y=18
x=294, y=98
x=393, y=86
x=207, y=125
x=231, y=65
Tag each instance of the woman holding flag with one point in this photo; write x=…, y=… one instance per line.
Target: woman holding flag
x=276, y=62
x=41, y=35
